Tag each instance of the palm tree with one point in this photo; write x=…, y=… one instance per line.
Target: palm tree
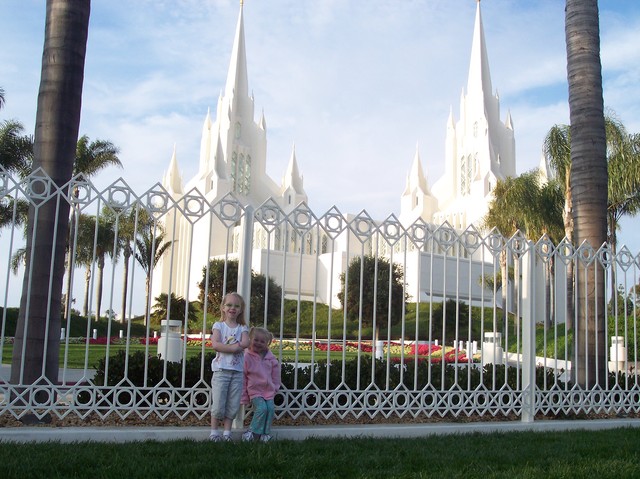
x=173, y=307
x=91, y=158
x=589, y=182
x=127, y=224
x=150, y=246
x=531, y=206
x=106, y=244
x=83, y=253
x=623, y=165
x=16, y=148
x=56, y=133
x=16, y=157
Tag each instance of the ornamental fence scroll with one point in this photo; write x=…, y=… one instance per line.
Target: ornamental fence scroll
x=372, y=318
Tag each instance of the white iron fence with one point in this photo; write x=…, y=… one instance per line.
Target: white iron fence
x=371, y=318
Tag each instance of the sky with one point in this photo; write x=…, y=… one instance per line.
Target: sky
x=355, y=86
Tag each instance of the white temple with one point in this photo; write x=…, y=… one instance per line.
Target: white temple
x=480, y=149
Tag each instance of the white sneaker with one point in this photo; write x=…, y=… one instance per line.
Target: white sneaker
x=265, y=438
x=215, y=437
x=247, y=436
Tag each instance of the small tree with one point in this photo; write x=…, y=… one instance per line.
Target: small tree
x=373, y=276
x=263, y=293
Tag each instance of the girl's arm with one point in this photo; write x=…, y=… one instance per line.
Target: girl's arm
x=244, y=397
x=218, y=345
x=244, y=340
x=276, y=375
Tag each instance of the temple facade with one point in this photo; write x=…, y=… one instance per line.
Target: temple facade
x=480, y=150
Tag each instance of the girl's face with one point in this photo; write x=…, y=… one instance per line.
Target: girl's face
x=259, y=344
x=231, y=307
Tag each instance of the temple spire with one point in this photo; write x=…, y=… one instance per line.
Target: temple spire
x=479, y=75
x=237, y=83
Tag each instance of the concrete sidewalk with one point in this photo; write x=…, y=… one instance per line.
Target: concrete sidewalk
x=130, y=434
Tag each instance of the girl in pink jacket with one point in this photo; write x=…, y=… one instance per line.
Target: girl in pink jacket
x=261, y=382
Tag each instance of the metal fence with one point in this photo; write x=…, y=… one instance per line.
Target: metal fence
x=371, y=318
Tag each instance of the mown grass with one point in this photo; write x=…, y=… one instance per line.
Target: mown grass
x=580, y=454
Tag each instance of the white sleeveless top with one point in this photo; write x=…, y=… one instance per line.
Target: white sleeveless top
x=232, y=361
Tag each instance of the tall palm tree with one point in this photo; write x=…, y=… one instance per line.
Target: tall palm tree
x=623, y=166
x=127, y=223
x=589, y=182
x=106, y=244
x=151, y=245
x=91, y=158
x=56, y=133
x=531, y=206
x=83, y=253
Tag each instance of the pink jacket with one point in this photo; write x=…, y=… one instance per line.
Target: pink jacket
x=261, y=376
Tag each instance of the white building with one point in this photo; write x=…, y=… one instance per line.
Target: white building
x=480, y=149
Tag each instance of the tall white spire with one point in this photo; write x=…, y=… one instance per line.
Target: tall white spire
x=237, y=82
x=416, y=179
x=292, y=177
x=479, y=75
x=205, y=145
x=172, y=179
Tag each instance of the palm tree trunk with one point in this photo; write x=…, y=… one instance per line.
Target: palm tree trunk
x=568, y=229
x=147, y=299
x=70, y=261
x=588, y=185
x=613, y=243
x=99, y=287
x=125, y=282
x=87, y=286
x=56, y=134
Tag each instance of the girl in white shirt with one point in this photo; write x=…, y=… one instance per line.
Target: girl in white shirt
x=229, y=337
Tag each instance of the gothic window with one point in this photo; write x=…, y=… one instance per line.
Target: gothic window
x=309, y=243
x=475, y=129
x=277, y=239
x=234, y=176
x=476, y=166
x=240, y=173
x=466, y=174
x=246, y=175
x=237, y=130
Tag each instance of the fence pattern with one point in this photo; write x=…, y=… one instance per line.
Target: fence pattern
x=371, y=318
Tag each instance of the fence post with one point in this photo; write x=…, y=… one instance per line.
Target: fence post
x=244, y=260
x=244, y=281
x=529, y=335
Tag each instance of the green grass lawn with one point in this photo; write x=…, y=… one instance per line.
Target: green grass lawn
x=576, y=454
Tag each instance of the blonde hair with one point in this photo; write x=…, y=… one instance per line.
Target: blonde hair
x=240, y=318
x=265, y=332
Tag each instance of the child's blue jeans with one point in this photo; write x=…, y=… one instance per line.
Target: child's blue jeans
x=263, y=413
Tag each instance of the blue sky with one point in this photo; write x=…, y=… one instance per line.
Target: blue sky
x=356, y=86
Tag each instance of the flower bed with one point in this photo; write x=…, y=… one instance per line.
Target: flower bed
x=435, y=353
